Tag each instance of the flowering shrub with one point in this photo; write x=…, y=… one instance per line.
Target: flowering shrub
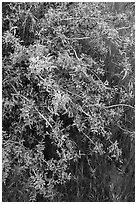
x=68, y=101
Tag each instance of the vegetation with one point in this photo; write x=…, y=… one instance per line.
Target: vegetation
x=68, y=101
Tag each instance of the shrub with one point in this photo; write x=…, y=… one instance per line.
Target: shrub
x=68, y=101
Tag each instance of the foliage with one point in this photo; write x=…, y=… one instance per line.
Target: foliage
x=68, y=101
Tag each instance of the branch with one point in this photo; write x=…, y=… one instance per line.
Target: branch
x=88, y=138
x=20, y=95
x=88, y=17
x=75, y=53
x=72, y=93
x=99, y=79
x=130, y=132
x=106, y=107
x=43, y=117
x=124, y=28
x=78, y=38
x=66, y=90
x=81, y=109
x=113, y=106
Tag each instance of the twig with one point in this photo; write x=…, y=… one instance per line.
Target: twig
x=20, y=95
x=81, y=109
x=43, y=117
x=88, y=17
x=88, y=138
x=78, y=38
x=75, y=53
x=91, y=169
x=66, y=90
x=72, y=93
x=125, y=129
x=99, y=80
x=123, y=28
x=113, y=106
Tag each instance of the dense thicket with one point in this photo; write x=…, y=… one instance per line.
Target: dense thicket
x=68, y=101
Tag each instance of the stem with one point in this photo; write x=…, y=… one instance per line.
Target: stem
x=88, y=138
x=123, y=28
x=43, y=117
x=17, y=94
x=113, y=106
x=125, y=129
